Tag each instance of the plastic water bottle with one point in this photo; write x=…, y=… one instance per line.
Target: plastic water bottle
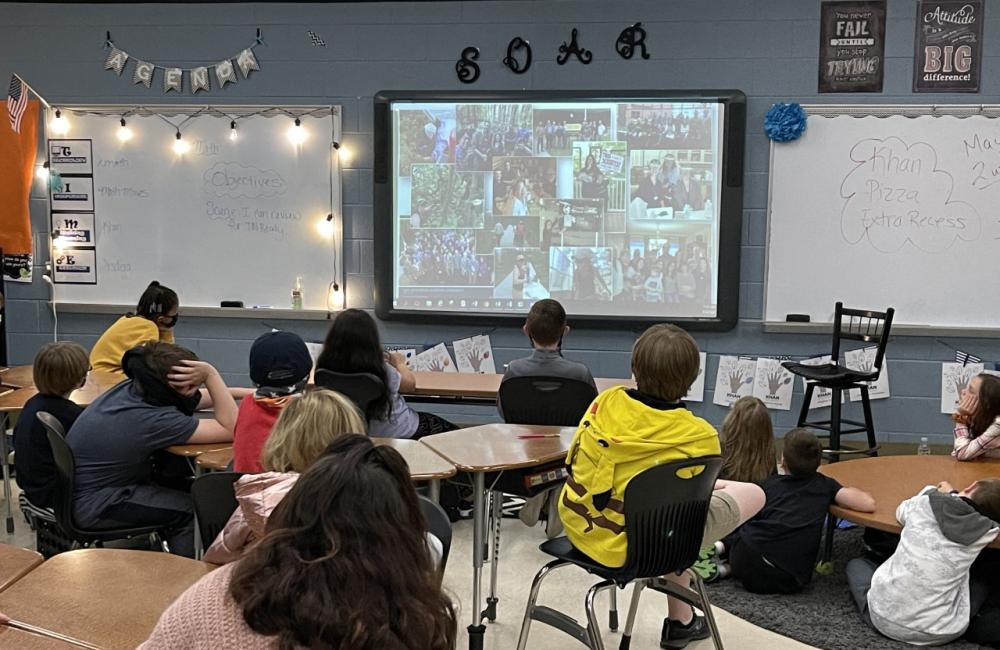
x=297, y=293
x=923, y=449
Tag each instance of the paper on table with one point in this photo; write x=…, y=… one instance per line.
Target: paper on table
x=863, y=359
x=408, y=353
x=773, y=384
x=475, y=355
x=435, y=359
x=954, y=378
x=735, y=379
x=697, y=391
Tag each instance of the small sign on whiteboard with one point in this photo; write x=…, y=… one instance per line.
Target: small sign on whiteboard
x=75, y=266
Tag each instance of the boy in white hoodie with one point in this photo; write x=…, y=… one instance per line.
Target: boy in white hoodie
x=921, y=594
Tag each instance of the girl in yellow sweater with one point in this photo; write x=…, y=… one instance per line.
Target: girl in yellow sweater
x=153, y=320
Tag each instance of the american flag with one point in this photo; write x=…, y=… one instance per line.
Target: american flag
x=17, y=102
x=965, y=358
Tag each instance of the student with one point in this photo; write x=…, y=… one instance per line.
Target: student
x=977, y=420
x=747, y=438
x=154, y=320
x=626, y=431
x=311, y=582
x=59, y=369
x=114, y=438
x=776, y=550
x=352, y=346
x=279, y=366
x=545, y=327
x=922, y=595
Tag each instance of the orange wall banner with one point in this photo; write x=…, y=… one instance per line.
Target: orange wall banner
x=17, y=164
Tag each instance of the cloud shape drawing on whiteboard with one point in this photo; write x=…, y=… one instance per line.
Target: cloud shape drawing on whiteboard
x=896, y=195
x=238, y=181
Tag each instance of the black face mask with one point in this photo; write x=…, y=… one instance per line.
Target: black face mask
x=172, y=322
x=154, y=389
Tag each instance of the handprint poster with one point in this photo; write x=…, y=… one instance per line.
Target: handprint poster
x=475, y=354
x=821, y=397
x=735, y=379
x=863, y=360
x=773, y=384
x=954, y=378
x=697, y=391
x=435, y=359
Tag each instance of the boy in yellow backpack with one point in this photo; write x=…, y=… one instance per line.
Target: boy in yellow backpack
x=626, y=431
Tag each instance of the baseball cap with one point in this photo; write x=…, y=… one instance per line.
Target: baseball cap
x=279, y=359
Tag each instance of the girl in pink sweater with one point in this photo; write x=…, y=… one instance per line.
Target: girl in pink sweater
x=316, y=579
x=977, y=420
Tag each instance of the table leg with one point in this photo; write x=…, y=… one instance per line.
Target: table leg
x=496, y=514
x=5, y=452
x=434, y=491
x=477, y=629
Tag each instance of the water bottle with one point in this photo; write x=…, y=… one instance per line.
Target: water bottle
x=297, y=293
x=923, y=449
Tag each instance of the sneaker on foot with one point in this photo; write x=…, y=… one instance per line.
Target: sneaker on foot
x=676, y=635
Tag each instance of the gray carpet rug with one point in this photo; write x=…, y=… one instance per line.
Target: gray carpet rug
x=824, y=615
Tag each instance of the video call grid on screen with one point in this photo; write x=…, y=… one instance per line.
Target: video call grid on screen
x=610, y=207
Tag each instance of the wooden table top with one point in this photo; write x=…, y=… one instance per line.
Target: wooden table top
x=214, y=461
x=97, y=384
x=14, y=638
x=18, y=376
x=894, y=479
x=197, y=450
x=425, y=464
x=495, y=447
x=464, y=384
x=15, y=562
x=108, y=597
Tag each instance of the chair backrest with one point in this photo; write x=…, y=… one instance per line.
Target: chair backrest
x=665, y=516
x=862, y=325
x=554, y=401
x=438, y=525
x=62, y=455
x=362, y=388
x=214, y=502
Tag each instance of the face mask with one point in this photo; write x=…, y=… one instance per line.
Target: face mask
x=172, y=322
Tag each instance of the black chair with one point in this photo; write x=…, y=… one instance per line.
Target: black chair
x=214, y=502
x=664, y=520
x=362, y=388
x=853, y=325
x=438, y=525
x=554, y=401
x=63, y=503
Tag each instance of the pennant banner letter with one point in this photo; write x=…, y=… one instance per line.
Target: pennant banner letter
x=247, y=62
x=143, y=73
x=172, y=79
x=225, y=73
x=116, y=60
x=199, y=79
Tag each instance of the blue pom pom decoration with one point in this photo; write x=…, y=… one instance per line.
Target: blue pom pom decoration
x=785, y=122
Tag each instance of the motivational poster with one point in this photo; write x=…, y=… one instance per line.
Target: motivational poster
x=948, y=49
x=852, y=47
x=697, y=391
x=863, y=360
x=735, y=379
x=954, y=379
x=773, y=384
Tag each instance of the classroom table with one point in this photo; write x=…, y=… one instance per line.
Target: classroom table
x=469, y=388
x=15, y=562
x=11, y=637
x=111, y=598
x=214, y=461
x=425, y=464
x=494, y=448
x=893, y=479
x=18, y=376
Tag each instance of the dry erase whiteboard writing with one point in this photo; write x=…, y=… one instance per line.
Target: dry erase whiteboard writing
x=887, y=211
x=232, y=219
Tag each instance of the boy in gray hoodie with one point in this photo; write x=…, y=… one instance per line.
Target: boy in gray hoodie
x=921, y=595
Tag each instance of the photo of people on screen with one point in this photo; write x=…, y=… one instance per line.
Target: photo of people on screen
x=572, y=222
x=426, y=136
x=577, y=273
x=522, y=274
x=665, y=126
x=486, y=131
x=443, y=258
x=661, y=188
x=555, y=129
x=442, y=197
x=670, y=273
x=508, y=232
x=519, y=184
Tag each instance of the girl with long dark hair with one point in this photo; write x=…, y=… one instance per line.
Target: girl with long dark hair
x=352, y=346
x=318, y=578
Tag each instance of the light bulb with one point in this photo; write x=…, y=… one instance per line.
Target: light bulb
x=335, y=298
x=124, y=133
x=42, y=173
x=345, y=153
x=297, y=133
x=232, y=131
x=180, y=146
x=59, y=124
x=325, y=226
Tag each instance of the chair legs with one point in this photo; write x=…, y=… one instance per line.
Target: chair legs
x=804, y=413
x=866, y=405
x=697, y=597
x=589, y=636
x=633, y=608
x=835, y=424
x=706, y=608
x=613, y=612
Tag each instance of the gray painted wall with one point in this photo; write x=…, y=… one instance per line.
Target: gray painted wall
x=767, y=48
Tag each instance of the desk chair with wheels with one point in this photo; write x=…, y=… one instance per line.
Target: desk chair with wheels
x=214, y=502
x=362, y=388
x=438, y=525
x=63, y=502
x=664, y=522
x=555, y=401
x=854, y=325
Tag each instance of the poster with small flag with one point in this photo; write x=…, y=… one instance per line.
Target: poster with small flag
x=17, y=102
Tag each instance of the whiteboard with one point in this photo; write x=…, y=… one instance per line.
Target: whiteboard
x=883, y=212
x=229, y=220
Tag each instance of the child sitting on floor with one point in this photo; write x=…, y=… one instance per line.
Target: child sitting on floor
x=921, y=595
